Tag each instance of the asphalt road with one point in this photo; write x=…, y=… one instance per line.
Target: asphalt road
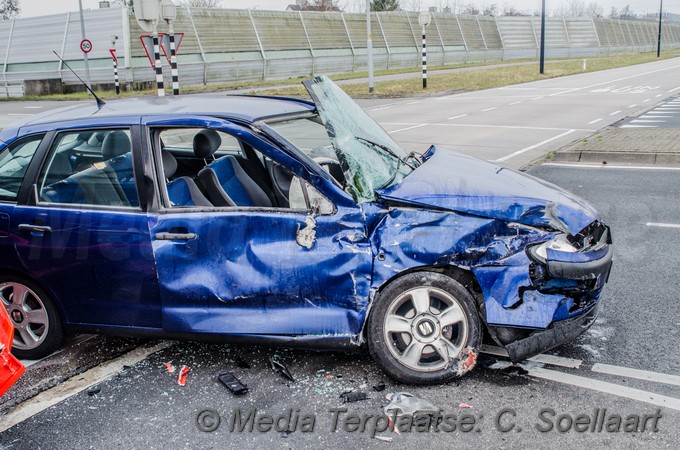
x=143, y=406
x=515, y=125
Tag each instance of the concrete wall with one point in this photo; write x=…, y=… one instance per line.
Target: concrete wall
x=222, y=45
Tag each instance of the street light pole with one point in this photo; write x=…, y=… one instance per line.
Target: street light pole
x=542, y=57
x=658, y=44
x=82, y=31
x=369, y=46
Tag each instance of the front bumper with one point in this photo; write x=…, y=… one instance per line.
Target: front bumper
x=558, y=333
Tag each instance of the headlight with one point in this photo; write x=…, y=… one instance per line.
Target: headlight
x=539, y=253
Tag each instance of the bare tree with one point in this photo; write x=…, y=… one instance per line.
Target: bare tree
x=594, y=10
x=490, y=10
x=9, y=9
x=200, y=3
x=470, y=9
x=385, y=5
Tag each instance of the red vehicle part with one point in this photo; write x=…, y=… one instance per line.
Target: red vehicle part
x=10, y=367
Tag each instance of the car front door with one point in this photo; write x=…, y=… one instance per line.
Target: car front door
x=82, y=233
x=260, y=270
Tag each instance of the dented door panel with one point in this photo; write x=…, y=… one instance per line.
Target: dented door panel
x=244, y=273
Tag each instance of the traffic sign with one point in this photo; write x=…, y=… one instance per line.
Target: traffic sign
x=86, y=46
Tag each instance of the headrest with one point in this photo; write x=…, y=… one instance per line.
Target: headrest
x=115, y=143
x=169, y=163
x=206, y=143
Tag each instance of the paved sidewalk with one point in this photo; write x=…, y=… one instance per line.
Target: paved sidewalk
x=658, y=146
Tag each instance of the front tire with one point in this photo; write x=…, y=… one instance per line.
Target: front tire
x=38, y=330
x=424, y=329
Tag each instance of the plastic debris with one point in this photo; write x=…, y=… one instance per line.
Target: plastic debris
x=379, y=387
x=94, y=391
x=281, y=369
x=383, y=438
x=349, y=397
x=403, y=403
x=464, y=405
x=232, y=383
x=170, y=367
x=182, y=376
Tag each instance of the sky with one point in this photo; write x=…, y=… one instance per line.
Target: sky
x=31, y=8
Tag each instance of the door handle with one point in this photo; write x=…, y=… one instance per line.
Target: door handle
x=34, y=228
x=165, y=236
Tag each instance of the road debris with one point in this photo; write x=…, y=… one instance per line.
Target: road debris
x=170, y=367
x=279, y=367
x=182, y=376
x=383, y=438
x=403, y=403
x=379, y=387
x=232, y=383
x=94, y=391
x=464, y=405
x=349, y=397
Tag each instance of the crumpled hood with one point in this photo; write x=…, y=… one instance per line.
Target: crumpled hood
x=457, y=182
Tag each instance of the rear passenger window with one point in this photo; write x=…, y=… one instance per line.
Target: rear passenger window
x=14, y=161
x=90, y=168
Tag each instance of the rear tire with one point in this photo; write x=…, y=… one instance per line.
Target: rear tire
x=424, y=329
x=38, y=329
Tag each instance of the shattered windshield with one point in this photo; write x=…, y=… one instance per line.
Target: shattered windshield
x=369, y=157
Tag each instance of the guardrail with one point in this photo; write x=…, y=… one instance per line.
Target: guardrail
x=11, y=89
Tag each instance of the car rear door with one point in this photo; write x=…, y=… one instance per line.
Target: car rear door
x=82, y=232
x=242, y=270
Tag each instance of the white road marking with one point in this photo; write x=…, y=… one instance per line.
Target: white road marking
x=636, y=373
x=409, y=128
x=674, y=89
x=612, y=81
x=594, y=121
x=488, y=109
x=662, y=225
x=609, y=166
x=633, y=105
x=646, y=100
x=531, y=147
x=77, y=384
x=615, y=113
x=514, y=103
x=381, y=108
x=19, y=114
x=655, y=116
x=412, y=103
x=509, y=127
x=658, y=112
x=647, y=121
x=544, y=358
x=658, y=95
x=457, y=117
x=607, y=388
x=638, y=126
x=33, y=107
x=537, y=98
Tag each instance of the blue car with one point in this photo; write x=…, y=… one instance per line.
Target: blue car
x=256, y=219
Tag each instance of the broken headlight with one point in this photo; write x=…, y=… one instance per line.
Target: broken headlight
x=539, y=253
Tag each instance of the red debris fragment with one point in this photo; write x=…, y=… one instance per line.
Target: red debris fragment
x=464, y=405
x=170, y=367
x=182, y=376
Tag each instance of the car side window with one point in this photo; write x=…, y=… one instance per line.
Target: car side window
x=90, y=168
x=14, y=161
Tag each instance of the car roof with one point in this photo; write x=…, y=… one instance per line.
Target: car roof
x=241, y=107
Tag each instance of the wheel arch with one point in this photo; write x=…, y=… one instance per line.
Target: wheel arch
x=16, y=273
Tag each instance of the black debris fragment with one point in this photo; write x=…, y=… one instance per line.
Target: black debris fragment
x=232, y=383
x=242, y=363
x=94, y=391
x=349, y=397
x=280, y=368
x=379, y=387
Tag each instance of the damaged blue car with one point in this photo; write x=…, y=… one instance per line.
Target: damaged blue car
x=255, y=219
